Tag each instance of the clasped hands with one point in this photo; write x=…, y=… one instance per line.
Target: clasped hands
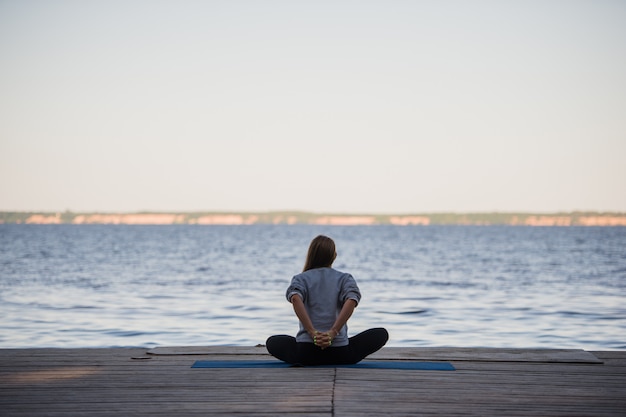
x=323, y=339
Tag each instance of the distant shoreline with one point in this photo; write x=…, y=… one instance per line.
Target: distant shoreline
x=322, y=219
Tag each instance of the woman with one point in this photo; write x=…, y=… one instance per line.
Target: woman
x=323, y=300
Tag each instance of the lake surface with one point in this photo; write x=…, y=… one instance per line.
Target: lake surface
x=492, y=286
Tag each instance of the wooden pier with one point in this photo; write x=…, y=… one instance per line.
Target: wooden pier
x=161, y=382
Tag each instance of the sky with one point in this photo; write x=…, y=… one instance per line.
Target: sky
x=323, y=106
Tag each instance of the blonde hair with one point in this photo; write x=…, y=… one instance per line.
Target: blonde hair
x=321, y=253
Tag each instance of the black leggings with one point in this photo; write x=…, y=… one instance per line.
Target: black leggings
x=286, y=349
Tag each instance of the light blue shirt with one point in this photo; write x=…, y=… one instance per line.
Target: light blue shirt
x=324, y=291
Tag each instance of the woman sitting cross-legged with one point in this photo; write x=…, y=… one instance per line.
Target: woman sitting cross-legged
x=323, y=300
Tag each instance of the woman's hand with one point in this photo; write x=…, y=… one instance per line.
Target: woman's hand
x=324, y=340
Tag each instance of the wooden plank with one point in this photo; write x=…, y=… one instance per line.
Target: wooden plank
x=180, y=408
x=107, y=382
x=488, y=355
x=207, y=350
x=422, y=354
x=168, y=412
x=387, y=353
x=611, y=354
x=486, y=388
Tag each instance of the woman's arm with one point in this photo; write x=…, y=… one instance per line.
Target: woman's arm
x=344, y=315
x=303, y=316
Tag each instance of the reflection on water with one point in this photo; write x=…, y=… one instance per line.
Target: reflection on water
x=100, y=286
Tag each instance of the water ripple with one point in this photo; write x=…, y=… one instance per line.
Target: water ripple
x=99, y=286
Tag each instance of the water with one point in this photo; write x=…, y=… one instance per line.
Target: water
x=496, y=286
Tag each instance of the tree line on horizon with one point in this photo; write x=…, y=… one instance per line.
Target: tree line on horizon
x=300, y=217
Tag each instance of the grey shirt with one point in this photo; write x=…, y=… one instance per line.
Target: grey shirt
x=324, y=291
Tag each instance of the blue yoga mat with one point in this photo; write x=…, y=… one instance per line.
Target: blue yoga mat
x=407, y=365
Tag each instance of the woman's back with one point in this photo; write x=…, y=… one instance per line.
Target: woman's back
x=324, y=291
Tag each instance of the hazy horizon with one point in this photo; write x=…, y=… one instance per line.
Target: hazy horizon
x=327, y=107
x=338, y=213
